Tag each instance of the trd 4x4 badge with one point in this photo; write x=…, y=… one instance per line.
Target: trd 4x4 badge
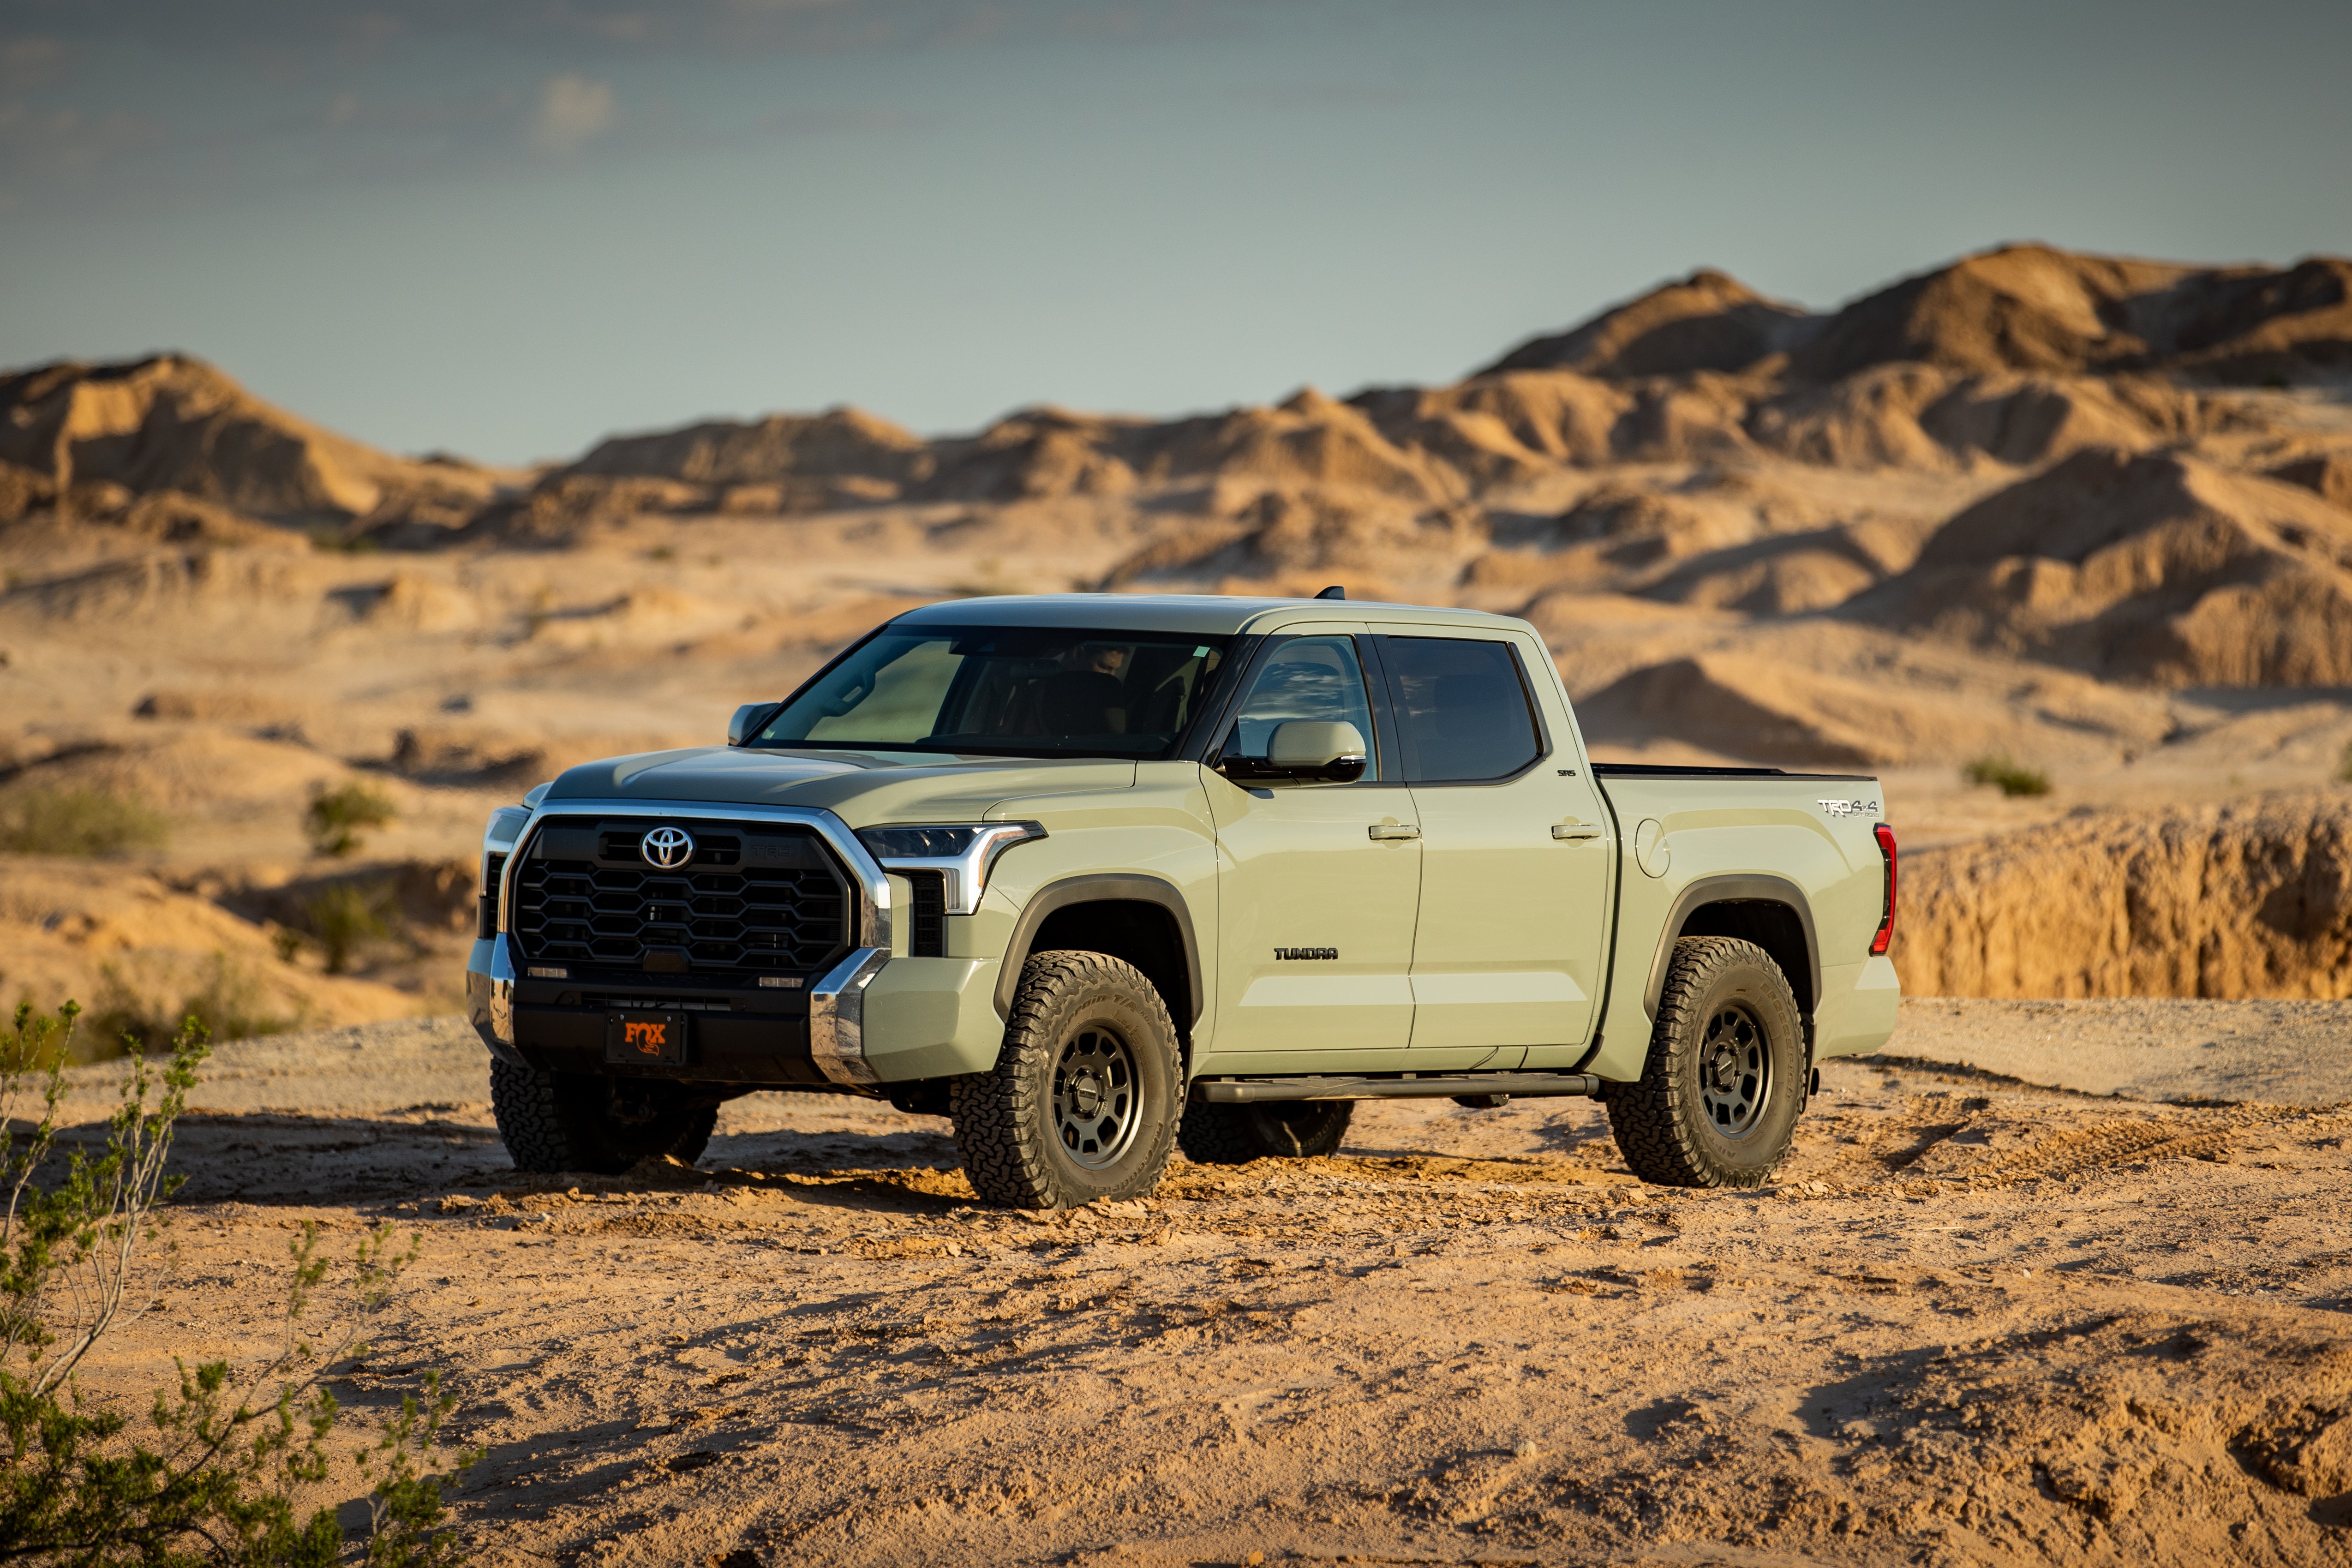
x=1306, y=952
x=1848, y=807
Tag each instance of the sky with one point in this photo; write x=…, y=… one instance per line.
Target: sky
x=508, y=227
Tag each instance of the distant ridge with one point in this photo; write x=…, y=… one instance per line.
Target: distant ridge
x=2124, y=495
x=2018, y=308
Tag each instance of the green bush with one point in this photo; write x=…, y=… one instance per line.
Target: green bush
x=76, y=821
x=334, y=817
x=342, y=916
x=2012, y=778
x=229, y=1005
x=215, y=1481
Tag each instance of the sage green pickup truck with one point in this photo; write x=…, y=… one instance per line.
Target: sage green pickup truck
x=1102, y=875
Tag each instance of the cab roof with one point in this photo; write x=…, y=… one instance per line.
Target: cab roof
x=1210, y=614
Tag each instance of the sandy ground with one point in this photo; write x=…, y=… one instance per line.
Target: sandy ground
x=1977, y=1322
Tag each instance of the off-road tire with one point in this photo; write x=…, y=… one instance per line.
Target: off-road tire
x=1275, y=1130
x=567, y=1121
x=1664, y=1125
x=1013, y=1126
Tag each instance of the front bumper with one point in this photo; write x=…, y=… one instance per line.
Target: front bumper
x=869, y=1021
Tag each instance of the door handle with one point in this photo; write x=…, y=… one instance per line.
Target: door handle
x=1576, y=830
x=1383, y=830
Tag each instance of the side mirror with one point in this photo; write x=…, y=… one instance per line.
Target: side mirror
x=740, y=728
x=1316, y=749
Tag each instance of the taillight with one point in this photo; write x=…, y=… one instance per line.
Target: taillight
x=1885, y=936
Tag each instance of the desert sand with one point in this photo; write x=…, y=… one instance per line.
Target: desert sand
x=2080, y=1302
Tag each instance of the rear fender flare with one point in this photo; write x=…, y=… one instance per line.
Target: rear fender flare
x=1749, y=888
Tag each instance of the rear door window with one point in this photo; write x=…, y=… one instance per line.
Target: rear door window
x=1461, y=710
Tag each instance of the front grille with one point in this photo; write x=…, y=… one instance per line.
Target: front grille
x=754, y=897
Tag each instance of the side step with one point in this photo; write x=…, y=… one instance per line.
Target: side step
x=1516, y=1085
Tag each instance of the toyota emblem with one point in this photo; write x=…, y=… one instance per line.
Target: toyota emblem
x=668, y=848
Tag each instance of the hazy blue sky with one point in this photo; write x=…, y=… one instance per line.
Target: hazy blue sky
x=509, y=228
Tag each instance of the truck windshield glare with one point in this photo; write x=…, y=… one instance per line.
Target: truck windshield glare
x=1006, y=690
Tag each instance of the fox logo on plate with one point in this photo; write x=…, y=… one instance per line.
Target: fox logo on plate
x=668, y=848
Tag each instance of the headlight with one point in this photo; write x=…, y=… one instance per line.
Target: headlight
x=961, y=853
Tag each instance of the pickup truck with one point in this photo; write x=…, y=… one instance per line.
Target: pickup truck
x=1102, y=875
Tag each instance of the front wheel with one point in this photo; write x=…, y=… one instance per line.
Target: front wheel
x=1716, y=1103
x=1081, y=1105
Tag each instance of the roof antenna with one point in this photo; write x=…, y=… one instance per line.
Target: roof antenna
x=1333, y=592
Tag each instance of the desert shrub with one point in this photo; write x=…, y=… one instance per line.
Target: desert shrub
x=2009, y=776
x=2344, y=765
x=345, y=915
x=228, y=1006
x=216, y=1479
x=334, y=817
x=76, y=821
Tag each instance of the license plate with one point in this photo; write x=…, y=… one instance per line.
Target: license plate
x=646, y=1038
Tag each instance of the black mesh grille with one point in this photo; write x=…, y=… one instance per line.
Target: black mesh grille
x=751, y=900
x=927, y=934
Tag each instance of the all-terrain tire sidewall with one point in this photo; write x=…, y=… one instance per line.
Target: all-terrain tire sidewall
x=1279, y=1130
x=1004, y=1118
x=1659, y=1121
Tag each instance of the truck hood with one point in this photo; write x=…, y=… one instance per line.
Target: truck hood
x=863, y=788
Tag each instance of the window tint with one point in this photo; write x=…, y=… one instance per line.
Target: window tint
x=1462, y=712
x=1306, y=678
x=1016, y=690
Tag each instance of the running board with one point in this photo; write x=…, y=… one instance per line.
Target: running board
x=1515, y=1085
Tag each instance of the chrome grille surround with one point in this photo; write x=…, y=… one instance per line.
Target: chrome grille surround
x=836, y=1000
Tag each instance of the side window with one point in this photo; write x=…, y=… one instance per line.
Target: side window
x=1305, y=677
x=1460, y=708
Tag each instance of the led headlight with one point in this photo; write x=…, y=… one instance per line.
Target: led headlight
x=962, y=852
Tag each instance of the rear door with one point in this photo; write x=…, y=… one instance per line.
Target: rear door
x=1515, y=874
x=1317, y=912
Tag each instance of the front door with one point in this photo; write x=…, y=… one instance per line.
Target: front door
x=1515, y=853
x=1318, y=884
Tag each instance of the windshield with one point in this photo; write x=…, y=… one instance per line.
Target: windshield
x=1018, y=690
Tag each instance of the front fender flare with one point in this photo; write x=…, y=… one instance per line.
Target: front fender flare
x=1133, y=887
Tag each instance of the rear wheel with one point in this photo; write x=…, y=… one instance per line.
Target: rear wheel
x=584, y=1122
x=1280, y=1130
x=1081, y=1105
x=1716, y=1103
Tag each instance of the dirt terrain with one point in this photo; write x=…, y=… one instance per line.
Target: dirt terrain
x=1976, y=1321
